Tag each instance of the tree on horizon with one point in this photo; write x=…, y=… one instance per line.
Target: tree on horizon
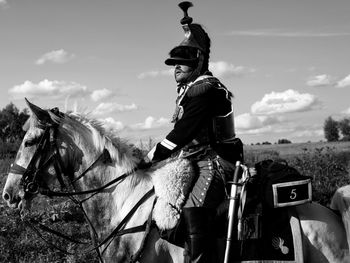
x=11, y=123
x=331, y=130
x=344, y=127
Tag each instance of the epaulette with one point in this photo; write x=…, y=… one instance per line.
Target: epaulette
x=202, y=86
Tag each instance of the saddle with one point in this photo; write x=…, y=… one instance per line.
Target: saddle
x=268, y=227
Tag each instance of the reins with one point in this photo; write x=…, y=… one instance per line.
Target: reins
x=32, y=186
x=50, y=193
x=118, y=231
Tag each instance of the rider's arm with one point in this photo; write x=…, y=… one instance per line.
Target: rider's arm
x=198, y=111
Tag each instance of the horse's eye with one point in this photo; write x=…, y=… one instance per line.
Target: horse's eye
x=28, y=143
x=31, y=142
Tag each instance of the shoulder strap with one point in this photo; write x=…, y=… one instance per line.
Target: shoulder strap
x=202, y=85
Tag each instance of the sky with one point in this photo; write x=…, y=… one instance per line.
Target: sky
x=287, y=62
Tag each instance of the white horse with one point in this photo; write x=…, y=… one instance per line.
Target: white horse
x=76, y=142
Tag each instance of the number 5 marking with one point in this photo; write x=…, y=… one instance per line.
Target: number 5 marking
x=293, y=194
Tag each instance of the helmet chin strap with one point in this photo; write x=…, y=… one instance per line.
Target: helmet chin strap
x=196, y=72
x=199, y=67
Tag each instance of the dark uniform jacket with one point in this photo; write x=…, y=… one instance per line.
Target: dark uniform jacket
x=203, y=116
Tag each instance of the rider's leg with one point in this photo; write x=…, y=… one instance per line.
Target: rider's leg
x=200, y=210
x=199, y=225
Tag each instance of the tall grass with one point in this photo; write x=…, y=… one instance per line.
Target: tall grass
x=19, y=243
x=329, y=168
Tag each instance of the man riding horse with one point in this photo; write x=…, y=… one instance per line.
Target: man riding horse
x=203, y=132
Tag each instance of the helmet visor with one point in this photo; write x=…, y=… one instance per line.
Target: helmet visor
x=183, y=55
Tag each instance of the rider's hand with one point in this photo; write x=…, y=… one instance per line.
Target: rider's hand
x=144, y=163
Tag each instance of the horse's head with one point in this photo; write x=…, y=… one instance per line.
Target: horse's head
x=38, y=159
x=58, y=146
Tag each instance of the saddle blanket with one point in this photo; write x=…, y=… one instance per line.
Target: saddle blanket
x=172, y=181
x=280, y=240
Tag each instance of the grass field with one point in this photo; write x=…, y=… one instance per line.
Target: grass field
x=292, y=149
x=19, y=243
x=327, y=163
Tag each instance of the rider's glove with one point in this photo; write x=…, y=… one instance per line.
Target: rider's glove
x=145, y=163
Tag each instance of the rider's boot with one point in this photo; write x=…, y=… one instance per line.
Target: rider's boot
x=199, y=225
x=176, y=235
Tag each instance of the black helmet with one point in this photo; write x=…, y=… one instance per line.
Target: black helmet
x=196, y=42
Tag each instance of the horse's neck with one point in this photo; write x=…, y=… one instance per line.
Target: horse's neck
x=114, y=198
x=108, y=208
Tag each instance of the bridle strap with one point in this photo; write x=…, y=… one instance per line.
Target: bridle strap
x=17, y=169
x=122, y=223
x=104, y=157
x=29, y=174
x=59, y=234
x=45, y=240
x=50, y=193
x=138, y=254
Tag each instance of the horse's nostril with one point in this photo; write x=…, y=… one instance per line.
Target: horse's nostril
x=6, y=196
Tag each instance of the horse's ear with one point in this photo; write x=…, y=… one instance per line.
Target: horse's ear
x=26, y=125
x=42, y=115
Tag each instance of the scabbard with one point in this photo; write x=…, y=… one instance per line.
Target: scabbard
x=232, y=211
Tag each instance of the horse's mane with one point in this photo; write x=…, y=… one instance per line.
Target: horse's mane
x=119, y=149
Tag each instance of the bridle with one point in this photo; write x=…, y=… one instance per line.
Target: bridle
x=31, y=180
x=32, y=183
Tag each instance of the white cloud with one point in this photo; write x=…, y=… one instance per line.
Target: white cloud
x=319, y=81
x=223, y=69
x=248, y=121
x=248, y=124
x=112, y=125
x=308, y=133
x=283, y=126
x=101, y=94
x=151, y=123
x=284, y=102
x=220, y=69
x=327, y=80
x=156, y=73
x=345, y=82
x=46, y=88
x=109, y=107
x=56, y=56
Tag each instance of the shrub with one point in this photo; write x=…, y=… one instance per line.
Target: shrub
x=344, y=127
x=24, y=241
x=251, y=157
x=18, y=242
x=328, y=169
x=283, y=141
x=331, y=130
